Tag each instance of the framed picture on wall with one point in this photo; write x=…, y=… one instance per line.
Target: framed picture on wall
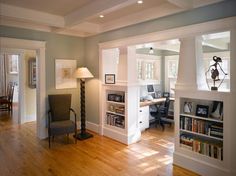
x=32, y=72
x=64, y=69
x=110, y=79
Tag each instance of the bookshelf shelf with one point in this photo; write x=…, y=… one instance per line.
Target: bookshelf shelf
x=116, y=120
x=110, y=112
x=118, y=103
x=114, y=128
x=202, y=118
x=115, y=109
x=201, y=133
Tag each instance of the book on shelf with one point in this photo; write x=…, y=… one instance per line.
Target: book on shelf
x=115, y=120
x=202, y=147
x=213, y=129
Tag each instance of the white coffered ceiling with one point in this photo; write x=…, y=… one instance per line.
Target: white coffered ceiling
x=81, y=17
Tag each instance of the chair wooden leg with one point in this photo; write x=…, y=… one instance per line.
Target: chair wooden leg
x=75, y=137
x=67, y=138
x=49, y=141
x=163, y=126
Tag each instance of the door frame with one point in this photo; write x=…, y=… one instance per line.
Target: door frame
x=39, y=47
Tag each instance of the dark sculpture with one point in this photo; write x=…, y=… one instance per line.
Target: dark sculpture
x=215, y=72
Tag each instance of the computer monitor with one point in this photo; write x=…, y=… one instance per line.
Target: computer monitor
x=150, y=88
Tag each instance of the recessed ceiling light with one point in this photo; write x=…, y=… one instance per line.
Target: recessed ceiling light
x=139, y=2
x=101, y=16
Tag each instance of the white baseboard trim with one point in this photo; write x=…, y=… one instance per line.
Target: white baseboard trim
x=121, y=136
x=90, y=126
x=200, y=167
x=30, y=118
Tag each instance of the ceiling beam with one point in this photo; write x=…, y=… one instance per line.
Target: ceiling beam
x=184, y=4
x=25, y=15
x=219, y=45
x=138, y=17
x=94, y=9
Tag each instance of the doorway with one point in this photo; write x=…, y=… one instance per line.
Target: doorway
x=39, y=48
x=9, y=84
x=16, y=64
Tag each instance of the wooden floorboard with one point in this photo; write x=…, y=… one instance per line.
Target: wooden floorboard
x=22, y=154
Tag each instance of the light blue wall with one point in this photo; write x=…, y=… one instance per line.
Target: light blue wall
x=86, y=50
x=199, y=15
x=57, y=46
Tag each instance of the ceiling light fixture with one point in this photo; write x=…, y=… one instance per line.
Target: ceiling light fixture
x=151, y=51
x=101, y=16
x=139, y=2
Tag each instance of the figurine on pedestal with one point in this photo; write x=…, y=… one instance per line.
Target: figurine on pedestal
x=215, y=72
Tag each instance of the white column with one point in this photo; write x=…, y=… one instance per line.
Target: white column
x=201, y=77
x=187, y=79
x=232, y=100
x=122, y=65
x=41, y=94
x=132, y=65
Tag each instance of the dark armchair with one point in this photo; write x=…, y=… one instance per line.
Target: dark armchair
x=6, y=101
x=161, y=115
x=59, y=116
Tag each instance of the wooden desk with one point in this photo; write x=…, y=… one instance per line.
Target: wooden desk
x=154, y=101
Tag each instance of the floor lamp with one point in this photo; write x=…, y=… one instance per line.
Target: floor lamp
x=83, y=73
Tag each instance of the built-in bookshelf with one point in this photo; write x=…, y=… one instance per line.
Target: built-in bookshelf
x=115, y=108
x=201, y=127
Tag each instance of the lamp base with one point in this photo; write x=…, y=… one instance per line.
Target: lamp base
x=83, y=136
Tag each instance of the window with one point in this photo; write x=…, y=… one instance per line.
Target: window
x=171, y=67
x=149, y=71
x=13, y=63
x=148, y=68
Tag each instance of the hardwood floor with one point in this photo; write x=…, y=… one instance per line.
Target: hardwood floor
x=22, y=154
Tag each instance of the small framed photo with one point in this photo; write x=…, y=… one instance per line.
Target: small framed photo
x=110, y=79
x=188, y=107
x=202, y=110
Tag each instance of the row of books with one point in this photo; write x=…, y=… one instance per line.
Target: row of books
x=211, y=150
x=200, y=126
x=115, y=120
x=117, y=109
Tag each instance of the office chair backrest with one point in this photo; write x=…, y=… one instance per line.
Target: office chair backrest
x=167, y=104
x=60, y=106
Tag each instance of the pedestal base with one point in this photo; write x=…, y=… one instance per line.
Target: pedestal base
x=214, y=88
x=83, y=136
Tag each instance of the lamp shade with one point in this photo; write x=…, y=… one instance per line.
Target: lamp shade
x=82, y=72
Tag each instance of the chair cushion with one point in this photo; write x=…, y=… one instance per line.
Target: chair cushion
x=62, y=127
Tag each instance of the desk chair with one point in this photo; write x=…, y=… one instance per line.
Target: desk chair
x=161, y=115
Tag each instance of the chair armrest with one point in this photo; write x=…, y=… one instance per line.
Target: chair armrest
x=73, y=113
